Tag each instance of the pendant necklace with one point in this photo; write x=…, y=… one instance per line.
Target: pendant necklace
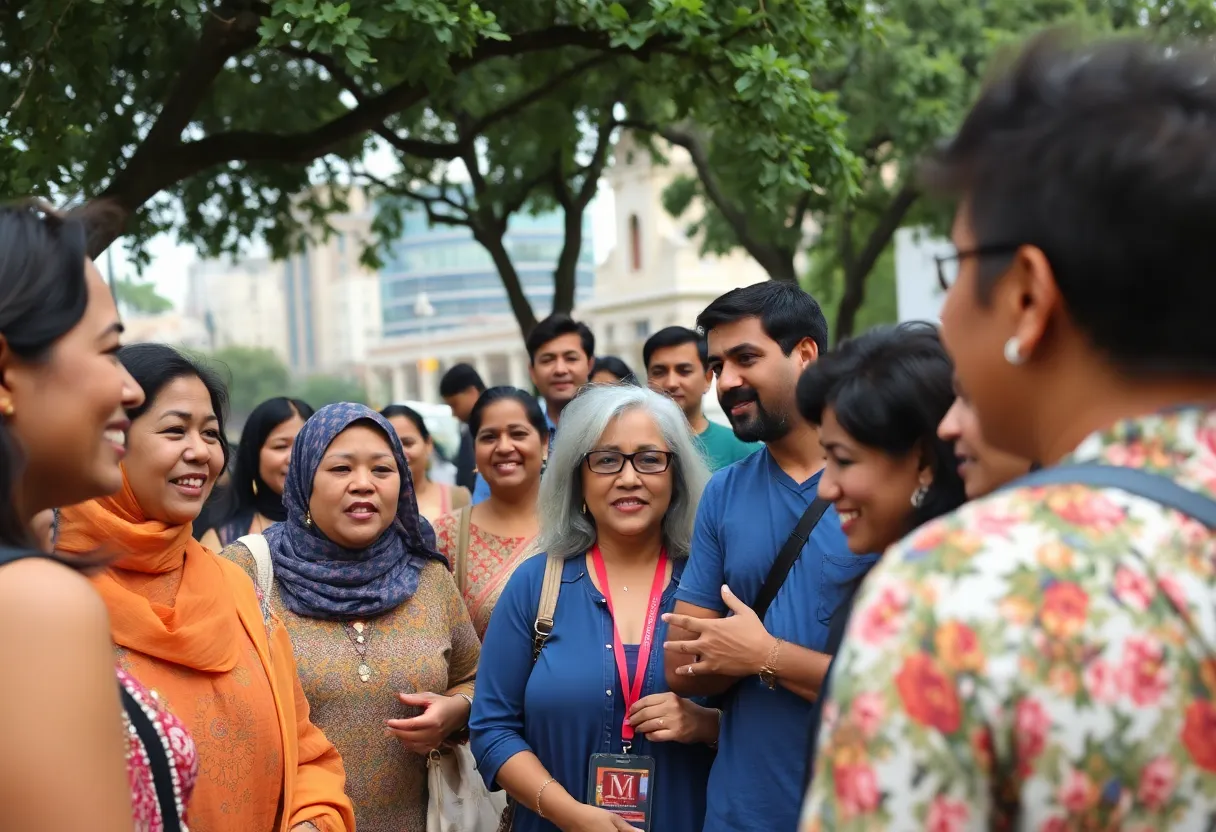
x=355, y=631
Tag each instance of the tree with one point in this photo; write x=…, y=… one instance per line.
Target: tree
x=139, y=297
x=901, y=86
x=550, y=157
x=211, y=118
x=319, y=391
x=253, y=375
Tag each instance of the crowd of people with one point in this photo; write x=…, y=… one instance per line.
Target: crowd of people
x=945, y=577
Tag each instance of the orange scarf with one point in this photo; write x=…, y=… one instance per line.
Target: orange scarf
x=201, y=630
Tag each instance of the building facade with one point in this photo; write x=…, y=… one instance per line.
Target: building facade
x=654, y=277
x=238, y=303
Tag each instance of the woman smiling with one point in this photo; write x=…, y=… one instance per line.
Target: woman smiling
x=618, y=504
x=190, y=625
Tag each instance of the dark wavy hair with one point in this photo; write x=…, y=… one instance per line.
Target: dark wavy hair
x=890, y=389
x=247, y=493
x=43, y=296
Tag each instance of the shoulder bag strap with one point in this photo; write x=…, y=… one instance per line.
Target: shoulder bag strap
x=788, y=555
x=8, y=555
x=460, y=567
x=549, y=589
x=1156, y=487
x=158, y=761
x=260, y=549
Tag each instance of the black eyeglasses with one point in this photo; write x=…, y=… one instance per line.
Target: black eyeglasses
x=644, y=462
x=947, y=267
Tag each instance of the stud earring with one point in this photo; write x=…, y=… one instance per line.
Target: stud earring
x=1013, y=351
x=918, y=496
x=308, y=519
x=7, y=408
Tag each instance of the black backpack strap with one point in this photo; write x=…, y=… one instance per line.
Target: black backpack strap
x=9, y=555
x=1156, y=487
x=788, y=555
x=158, y=760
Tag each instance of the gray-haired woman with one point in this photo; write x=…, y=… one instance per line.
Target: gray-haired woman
x=618, y=503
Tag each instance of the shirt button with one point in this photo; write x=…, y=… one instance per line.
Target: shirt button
x=608, y=692
x=607, y=646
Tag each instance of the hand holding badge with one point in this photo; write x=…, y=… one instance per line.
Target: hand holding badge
x=624, y=783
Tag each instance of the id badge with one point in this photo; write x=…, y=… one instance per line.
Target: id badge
x=624, y=785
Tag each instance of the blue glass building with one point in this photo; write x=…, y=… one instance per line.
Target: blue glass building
x=449, y=270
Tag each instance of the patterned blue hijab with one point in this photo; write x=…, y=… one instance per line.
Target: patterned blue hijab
x=317, y=577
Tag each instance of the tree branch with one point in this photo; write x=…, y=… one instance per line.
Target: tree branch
x=859, y=269
x=776, y=260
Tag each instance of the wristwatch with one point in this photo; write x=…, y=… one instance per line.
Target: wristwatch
x=768, y=673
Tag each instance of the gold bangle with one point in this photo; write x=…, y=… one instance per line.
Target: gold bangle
x=539, y=792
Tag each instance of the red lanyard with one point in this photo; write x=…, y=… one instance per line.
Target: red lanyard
x=633, y=692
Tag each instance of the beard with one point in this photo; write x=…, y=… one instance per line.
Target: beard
x=762, y=425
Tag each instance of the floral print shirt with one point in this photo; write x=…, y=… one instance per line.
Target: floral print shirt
x=1043, y=659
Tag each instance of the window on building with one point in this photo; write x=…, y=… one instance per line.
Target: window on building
x=641, y=329
x=635, y=243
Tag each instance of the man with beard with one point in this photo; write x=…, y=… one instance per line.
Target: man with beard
x=767, y=667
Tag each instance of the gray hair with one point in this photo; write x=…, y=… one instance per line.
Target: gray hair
x=564, y=529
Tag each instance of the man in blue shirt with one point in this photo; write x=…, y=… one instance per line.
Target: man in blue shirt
x=761, y=338
x=561, y=352
x=460, y=388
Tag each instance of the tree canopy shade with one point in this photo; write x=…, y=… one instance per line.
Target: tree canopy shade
x=903, y=84
x=210, y=118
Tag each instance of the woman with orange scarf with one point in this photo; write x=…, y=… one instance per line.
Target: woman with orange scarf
x=192, y=627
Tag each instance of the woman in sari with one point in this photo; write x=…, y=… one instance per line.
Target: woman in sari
x=386, y=653
x=485, y=543
x=190, y=625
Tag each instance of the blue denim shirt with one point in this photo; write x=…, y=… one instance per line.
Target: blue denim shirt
x=570, y=704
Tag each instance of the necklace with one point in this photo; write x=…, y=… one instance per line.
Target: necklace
x=354, y=631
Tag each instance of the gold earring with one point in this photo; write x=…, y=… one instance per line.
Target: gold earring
x=255, y=488
x=308, y=519
x=584, y=508
x=7, y=408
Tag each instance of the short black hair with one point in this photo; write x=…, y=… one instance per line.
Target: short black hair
x=1101, y=156
x=675, y=336
x=458, y=378
x=788, y=314
x=394, y=410
x=616, y=366
x=890, y=388
x=536, y=416
x=155, y=366
x=555, y=326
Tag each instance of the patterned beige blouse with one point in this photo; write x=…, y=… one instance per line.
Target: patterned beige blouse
x=490, y=561
x=426, y=644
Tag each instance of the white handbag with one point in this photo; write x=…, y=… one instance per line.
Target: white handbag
x=458, y=800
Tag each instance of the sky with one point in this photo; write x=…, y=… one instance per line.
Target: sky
x=171, y=260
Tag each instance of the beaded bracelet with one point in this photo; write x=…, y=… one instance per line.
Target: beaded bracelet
x=539, y=792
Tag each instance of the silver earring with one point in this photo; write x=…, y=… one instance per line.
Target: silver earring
x=584, y=508
x=1013, y=351
x=918, y=496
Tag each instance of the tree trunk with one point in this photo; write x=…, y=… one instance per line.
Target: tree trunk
x=858, y=270
x=565, y=275
x=520, y=305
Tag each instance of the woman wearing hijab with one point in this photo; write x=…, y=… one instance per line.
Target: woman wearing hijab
x=255, y=493
x=386, y=652
x=190, y=626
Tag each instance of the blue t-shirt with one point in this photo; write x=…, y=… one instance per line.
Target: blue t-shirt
x=746, y=515
x=570, y=705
